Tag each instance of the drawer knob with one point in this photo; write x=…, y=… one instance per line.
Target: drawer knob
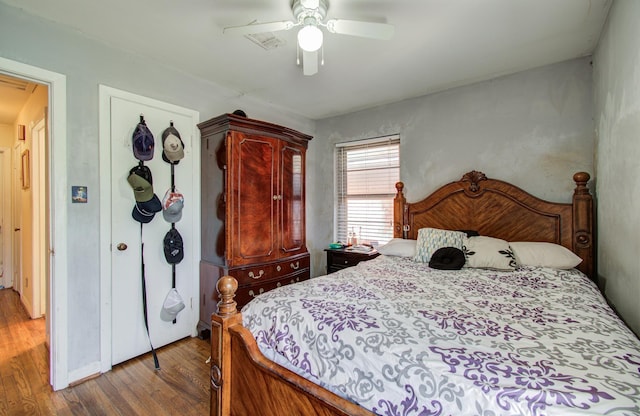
x=278, y=268
x=216, y=377
x=254, y=294
x=260, y=274
x=295, y=266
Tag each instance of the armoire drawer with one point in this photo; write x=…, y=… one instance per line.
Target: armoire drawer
x=245, y=293
x=269, y=271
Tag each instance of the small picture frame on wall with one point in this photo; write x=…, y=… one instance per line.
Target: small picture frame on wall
x=22, y=131
x=26, y=170
x=79, y=194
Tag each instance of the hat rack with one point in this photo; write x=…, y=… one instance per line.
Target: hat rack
x=142, y=265
x=143, y=138
x=173, y=224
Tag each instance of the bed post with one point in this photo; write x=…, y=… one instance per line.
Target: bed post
x=399, y=220
x=226, y=316
x=583, y=225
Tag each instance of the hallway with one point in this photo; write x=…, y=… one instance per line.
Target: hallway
x=131, y=388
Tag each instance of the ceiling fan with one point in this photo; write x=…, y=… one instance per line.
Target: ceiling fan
x=309, y=15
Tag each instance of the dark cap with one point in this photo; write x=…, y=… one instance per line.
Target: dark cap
x=142, y=141
x=142, y=215
x=173, y=247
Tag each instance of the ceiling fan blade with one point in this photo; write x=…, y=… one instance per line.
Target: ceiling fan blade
x=258, y=28
x=383, y=31
x=309, y=62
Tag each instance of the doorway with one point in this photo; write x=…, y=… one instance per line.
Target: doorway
x=25, y=192
x=54, y=230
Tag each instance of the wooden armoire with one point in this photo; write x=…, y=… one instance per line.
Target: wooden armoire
x=253, y=208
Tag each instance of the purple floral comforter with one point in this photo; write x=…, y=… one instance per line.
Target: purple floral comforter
x=399, y=338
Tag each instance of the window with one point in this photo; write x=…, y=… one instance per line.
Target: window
x=366, y=174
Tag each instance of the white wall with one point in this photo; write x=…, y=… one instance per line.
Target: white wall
x=87, y=64
x=617, y=118
x=533, y=129
x=7, y=131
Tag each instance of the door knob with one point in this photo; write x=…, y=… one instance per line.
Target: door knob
x=121, y=246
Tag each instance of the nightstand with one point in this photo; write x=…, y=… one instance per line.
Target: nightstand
x=338, y=259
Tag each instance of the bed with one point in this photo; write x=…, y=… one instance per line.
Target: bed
x=494, y=353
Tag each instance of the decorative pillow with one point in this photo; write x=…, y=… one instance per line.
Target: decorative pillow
x=399, y=247
x=489, y=253
x=431, y=239
x=541, y=254
x=447, y=258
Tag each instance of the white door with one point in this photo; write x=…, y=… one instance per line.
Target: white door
x=40, y=239
x=17, y=218
x=128, y=333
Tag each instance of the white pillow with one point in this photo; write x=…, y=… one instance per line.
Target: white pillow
x=542, y=254
x=489, y=253
x=431, y=239
x=399, y=247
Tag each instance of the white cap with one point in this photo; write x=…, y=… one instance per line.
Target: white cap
x=172, y=305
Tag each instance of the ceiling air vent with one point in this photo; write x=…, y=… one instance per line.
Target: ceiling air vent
x=266, y=40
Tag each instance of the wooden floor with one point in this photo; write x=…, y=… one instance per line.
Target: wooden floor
x=180, y=387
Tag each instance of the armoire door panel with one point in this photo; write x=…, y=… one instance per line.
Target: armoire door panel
x=252, y=179
x=292, y=209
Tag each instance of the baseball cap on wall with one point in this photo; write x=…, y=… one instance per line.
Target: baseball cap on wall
x=142, y=215
x=172, y=205
x=172, y=304
x=147, y=202
x=153, y=205
x=172, y=145
x=141, y=181
x=142, y=141
x=173, y=247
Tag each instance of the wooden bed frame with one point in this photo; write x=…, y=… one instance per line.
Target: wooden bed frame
x=244, y=382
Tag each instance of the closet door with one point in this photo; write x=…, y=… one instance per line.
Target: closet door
x=252, y=184
x=291, y=205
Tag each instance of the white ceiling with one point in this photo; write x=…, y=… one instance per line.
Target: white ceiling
x=438, y=44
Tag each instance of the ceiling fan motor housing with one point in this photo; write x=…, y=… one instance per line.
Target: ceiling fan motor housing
x=304, y=13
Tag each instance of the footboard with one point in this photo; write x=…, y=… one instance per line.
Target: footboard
x=245, y=382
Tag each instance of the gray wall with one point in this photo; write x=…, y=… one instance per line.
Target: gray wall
x=617, y=120
x=533, y=129
x=87, y=64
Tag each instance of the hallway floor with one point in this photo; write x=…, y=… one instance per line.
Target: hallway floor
x=131, y=388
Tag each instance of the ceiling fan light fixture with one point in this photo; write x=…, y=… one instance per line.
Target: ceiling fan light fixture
x=310, y=38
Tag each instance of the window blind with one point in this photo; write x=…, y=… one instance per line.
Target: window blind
x=366, y=174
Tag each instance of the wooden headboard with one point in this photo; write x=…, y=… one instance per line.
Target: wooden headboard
x=498, y=209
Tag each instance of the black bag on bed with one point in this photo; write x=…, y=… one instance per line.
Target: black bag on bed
x=447, y=258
